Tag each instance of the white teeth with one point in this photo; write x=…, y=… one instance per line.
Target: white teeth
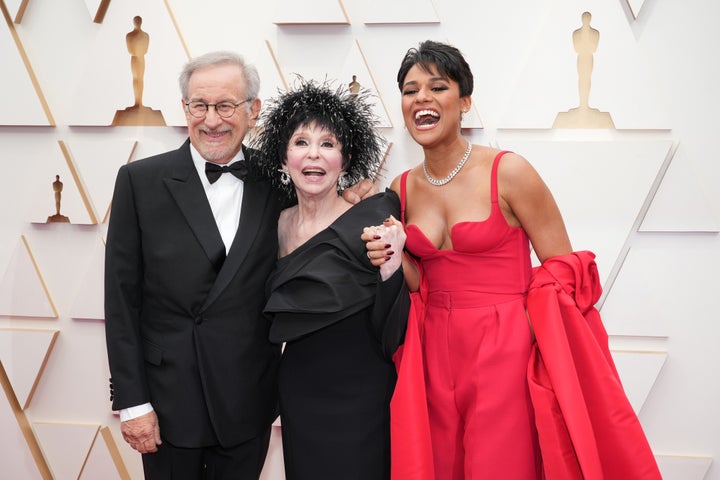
x=426, y=112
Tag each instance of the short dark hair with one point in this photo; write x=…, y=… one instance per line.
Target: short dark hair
x=448, y=61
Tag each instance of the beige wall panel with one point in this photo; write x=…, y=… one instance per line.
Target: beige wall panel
x=65, y=447
x=15, y=456
x=43, y=203
x=687, y=200
x=23, y=292
x=104, y=460
x=638, y=371
x=89, y=302
x=677, y=467
x=97, y=9
x=26, y=104
x=600, y=186
x=635, y=7
x=273, y=468
x=107, y=76
x=16, y=9
x=620, y=84
x=399, y=11
x=23, y=354
x=96, y=164
x=291, y=12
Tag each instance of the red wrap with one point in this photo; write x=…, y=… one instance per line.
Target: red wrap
x=586, y=426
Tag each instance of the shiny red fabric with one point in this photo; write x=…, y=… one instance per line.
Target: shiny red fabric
x=410, y=444
x=586, y=425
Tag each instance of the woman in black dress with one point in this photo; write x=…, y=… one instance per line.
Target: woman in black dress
x=341, y=318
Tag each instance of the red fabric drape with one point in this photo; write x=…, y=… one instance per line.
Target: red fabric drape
x=586, y=425
x=411, y=448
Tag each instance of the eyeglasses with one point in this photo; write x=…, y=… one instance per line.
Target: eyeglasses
x=223, y=109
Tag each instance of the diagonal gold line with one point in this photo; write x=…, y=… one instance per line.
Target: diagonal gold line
x=24, y=425
x=78, y=182
x=39, y=274
x=28, y=67
x=115, y=453
x=177, y=28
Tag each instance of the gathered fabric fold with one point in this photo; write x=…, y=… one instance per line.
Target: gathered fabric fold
x=410, y=444
x=587, y=428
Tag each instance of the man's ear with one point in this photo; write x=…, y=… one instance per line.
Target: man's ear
x=254, y=111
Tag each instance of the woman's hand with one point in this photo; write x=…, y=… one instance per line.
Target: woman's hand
x=384, y=244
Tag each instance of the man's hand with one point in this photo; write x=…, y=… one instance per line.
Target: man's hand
x=360, y=191
x=142, y=433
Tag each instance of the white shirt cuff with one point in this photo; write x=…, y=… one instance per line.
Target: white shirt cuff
x=134, y=412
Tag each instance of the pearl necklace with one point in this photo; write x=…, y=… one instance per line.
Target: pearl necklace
x=443, y=181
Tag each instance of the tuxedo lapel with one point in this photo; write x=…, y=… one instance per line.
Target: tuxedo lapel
x=185, y=187
x=256, y=196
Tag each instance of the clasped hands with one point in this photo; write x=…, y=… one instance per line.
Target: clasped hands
x=384, y=244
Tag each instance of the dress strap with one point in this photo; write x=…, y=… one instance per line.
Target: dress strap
x=493, y=176
x=403, y=193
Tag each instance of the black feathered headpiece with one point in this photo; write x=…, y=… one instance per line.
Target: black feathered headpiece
x=348, y=115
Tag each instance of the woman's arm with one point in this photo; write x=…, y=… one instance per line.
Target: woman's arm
x=527, y=202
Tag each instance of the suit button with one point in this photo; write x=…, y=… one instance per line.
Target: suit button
x=198, y=320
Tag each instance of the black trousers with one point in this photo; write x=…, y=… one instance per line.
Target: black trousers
x=241, y=462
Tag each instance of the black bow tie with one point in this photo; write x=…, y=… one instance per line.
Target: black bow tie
x=213, y=170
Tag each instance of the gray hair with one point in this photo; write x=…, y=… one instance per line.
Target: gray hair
x=252, y=79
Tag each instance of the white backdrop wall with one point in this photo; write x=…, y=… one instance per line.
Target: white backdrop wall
x=643, y=195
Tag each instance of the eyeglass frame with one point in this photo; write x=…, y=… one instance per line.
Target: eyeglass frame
x=214, y=105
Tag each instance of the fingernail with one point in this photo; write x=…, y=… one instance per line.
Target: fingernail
x=389, y=252
x=387, y=245
x=387, y=258
x=376, y=237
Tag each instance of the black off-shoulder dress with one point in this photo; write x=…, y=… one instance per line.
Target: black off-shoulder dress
x=341, y=324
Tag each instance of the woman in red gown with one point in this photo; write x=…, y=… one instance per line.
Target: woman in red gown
x=471, y=214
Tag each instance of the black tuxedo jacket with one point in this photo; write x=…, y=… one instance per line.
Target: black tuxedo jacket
x=184, y=325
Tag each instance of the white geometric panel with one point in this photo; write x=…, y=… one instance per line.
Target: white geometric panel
x=630, y=307
x=578, y=173
x=356, y=66
x=343, y=58
x=23, y=354
x=15, y=456
x=683, y=467
x=548, y=80
x=107, y=75
x=684, y=201
x=635, y=6
x=89, y=302
x=638, y=372
x=271, y=75
x=72, y=198
x=97, y=9
x=327, y=12
x=23, y=292
x=657, y=283
x=472, y=118
x=26, y=105
x=96, y=164
x=399, y=11
x=273, y=468
x=16, y=8
x=104, y=461
x=65, y=446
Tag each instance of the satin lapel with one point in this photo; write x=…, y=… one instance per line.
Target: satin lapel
x=185, y=187
x=256, y=197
